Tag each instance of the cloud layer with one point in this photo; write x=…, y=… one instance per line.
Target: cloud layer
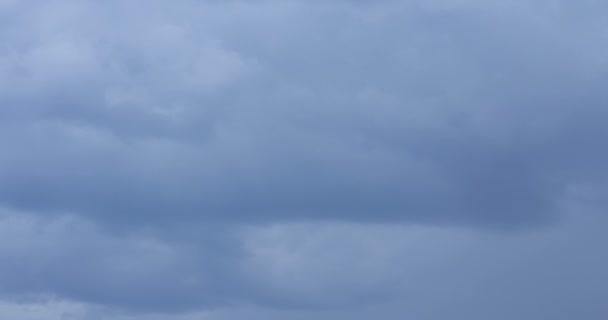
x=168, y=156
x=261, y=111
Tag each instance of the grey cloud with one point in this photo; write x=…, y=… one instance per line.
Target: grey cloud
x=319, y=270
x=76, y=260
x=297, y=111
x=175, y=133
x=284, y=266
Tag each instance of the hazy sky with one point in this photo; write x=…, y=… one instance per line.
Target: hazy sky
x=303, y=159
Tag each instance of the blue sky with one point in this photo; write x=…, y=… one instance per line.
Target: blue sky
x=296, y=159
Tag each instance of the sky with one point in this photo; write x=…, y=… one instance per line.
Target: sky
x=303, y=159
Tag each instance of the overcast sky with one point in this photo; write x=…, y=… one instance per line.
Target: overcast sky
x=303, y=159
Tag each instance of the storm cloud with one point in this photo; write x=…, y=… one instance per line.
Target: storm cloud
x=175, y=156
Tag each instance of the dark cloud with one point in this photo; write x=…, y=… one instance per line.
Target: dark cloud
x=450, y=115
x=303, y=270
x=166, y=129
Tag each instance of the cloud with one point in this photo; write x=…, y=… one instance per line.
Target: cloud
x=161, y=156
x=302, y=270
x=207, y=111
